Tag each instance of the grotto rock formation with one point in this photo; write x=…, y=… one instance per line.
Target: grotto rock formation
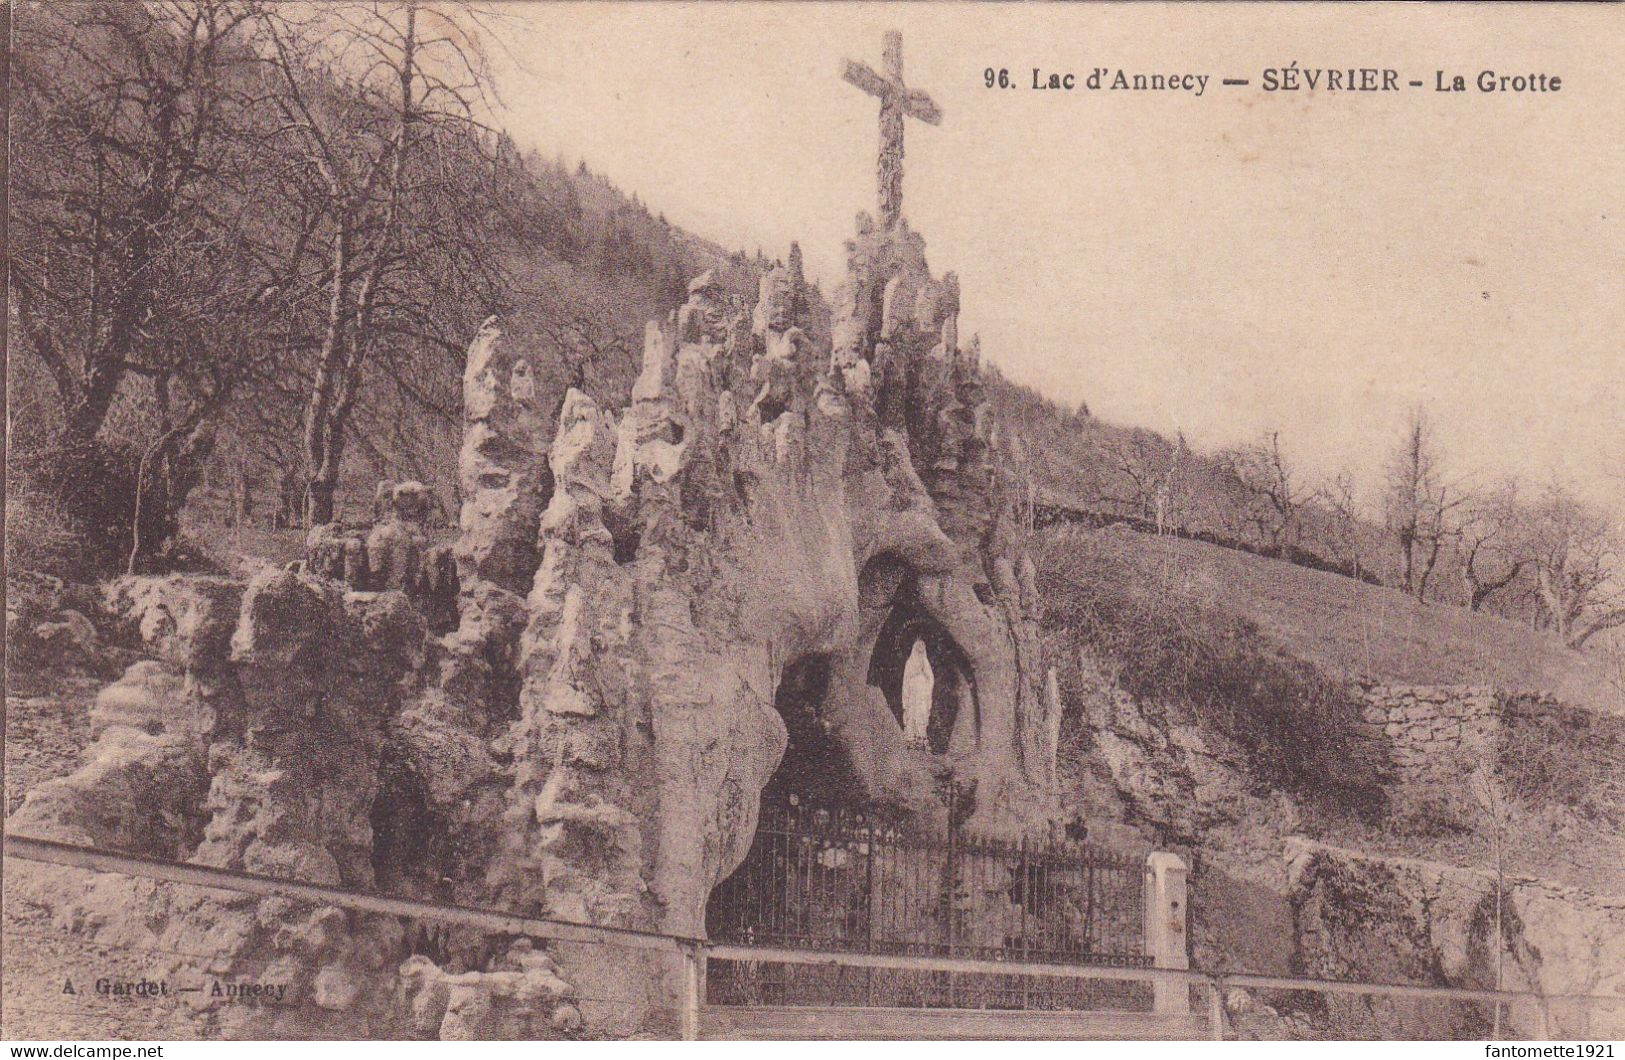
x=732, y=577
x=666, y=613
x=394, y=553
x=248, y=740
x=652, y=621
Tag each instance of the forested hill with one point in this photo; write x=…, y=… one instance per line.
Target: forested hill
x=583, y=267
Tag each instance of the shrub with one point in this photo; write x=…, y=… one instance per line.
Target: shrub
x=38, y=537
x=76, y=503
x=1552, y=754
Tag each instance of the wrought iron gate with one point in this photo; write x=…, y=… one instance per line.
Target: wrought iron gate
x=843, y=880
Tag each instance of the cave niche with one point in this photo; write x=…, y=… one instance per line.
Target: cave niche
x=953, y=721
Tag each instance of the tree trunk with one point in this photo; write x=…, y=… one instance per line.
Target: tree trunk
x=83, y=419
x=243, y=500
x=318, y=413
x=168, y=472
x=1610, y=620
x=1407, y=561
x=1479, y=590
x=319, y=500
x=1558, y=607
x=345, y=344
x=1427, y=570
x=290, y=501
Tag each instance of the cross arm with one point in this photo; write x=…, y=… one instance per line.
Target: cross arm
x=863, y=76
x=918, y=105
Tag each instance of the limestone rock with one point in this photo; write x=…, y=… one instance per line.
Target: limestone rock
x=654, y=616
x=52, y=628
x=395, y=554
x=137, y=791
x=1388, y=919
x=337, y=551
x=316, y=667
x=708, y=582
x=253, y=742
x=71, y=638
x=185, y=620
x=397, y=544
x=149, y=697
x=521, y=998
x=501, y=465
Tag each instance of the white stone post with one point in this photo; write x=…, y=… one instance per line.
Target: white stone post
x=693, y=971
x=1166, y=918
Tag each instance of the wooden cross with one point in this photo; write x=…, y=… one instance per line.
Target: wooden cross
x=896, y=101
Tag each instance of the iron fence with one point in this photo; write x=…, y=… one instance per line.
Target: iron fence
x=1541, y=1016
x=843, y=880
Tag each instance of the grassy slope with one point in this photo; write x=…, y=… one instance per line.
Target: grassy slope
x=1352, y=629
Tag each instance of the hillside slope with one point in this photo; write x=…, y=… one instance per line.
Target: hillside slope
x=1346, y=628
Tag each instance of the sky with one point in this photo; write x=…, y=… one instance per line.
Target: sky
x=1315, y=263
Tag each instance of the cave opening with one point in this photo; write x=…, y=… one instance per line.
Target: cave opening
x=814, y=780
x=815, y=769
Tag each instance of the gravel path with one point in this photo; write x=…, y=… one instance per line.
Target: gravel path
x=41, y=959
x=46, y=734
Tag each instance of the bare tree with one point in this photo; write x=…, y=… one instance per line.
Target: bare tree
x=1576, y=552
x=1489, y=540
x=399, y=248
x=1340, y=499
x=1145, y=472
x=135, y=271
x=1273, y=492
x=587, y=347
x=124, y=121
x=1417, y=504
x=1171, y=485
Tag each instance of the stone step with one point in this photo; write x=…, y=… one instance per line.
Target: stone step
x=803, y=1022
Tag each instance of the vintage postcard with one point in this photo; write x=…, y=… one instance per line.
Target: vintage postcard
x=605, y=521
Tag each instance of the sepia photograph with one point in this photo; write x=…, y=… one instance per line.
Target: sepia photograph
x=622, y=521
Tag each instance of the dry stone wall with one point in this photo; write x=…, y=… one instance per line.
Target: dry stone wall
x=1425, y=742
x=1330, y=912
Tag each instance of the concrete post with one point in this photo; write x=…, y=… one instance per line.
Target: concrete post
x=1166, y=917
x=693, y=957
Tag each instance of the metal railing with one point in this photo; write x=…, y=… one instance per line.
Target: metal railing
x=1212, y=986
x=694, y=954
x=849, y=881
